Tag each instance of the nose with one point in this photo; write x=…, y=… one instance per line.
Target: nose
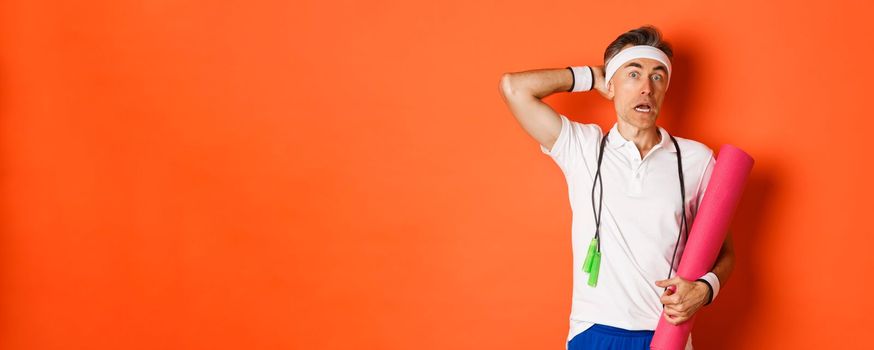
x=647, y=88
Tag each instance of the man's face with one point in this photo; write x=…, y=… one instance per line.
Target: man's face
x=636, y=85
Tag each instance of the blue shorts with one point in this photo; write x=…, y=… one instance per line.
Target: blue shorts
x=603, y=337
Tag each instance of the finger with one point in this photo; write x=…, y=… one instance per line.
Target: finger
x=671, y=289
x=667, y=282
x=666, y=293
x=679, y=313
x=666, y=300
x=681, y=287
x=670, y=299
x=670, y=319
x=673, y=309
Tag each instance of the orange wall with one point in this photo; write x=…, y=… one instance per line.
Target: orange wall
x=332, y=175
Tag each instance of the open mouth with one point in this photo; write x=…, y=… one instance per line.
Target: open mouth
x=643, y=108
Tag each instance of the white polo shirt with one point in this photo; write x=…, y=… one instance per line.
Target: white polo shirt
x=639, y=224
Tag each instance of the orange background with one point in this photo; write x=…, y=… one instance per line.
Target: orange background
x=333, y=175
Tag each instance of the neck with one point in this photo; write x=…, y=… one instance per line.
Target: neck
x=644, y=138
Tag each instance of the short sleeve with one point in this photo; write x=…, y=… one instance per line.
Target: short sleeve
x=573, y=139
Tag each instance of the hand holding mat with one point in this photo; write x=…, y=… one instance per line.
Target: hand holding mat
x=707, y=234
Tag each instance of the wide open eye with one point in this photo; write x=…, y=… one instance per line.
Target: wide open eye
x=633, y=74
x=657, y=77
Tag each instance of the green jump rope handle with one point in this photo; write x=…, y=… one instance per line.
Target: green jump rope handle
x=596, y=265
x=587, y=265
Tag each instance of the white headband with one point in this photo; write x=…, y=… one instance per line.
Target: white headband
x=639, y=51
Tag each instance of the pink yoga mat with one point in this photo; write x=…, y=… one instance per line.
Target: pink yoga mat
x=707, y=234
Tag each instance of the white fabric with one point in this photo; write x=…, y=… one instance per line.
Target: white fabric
x=711, y=278
x=582, y=78
x=638, y=51
x=640, y=220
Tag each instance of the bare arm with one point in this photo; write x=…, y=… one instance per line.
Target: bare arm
x=690, y=296
x=523, y=91
x=725, y=261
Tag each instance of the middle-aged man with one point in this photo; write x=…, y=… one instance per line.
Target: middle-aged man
x=625, y=188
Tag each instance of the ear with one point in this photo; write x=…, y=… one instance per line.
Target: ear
x=610, y=92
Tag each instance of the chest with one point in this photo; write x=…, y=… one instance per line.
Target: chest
x=633, y=186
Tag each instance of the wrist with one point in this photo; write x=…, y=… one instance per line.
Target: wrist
x=598, y=82
x=582, y=78
x=708, y=291
x=712, y=282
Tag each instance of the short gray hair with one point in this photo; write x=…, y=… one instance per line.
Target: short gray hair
x=645, y=35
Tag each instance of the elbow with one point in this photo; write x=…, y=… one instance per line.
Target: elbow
x=506, y=86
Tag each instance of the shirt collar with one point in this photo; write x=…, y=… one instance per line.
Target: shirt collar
x=616, y=140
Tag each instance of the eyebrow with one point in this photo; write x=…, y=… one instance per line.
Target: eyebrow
x=635, y=64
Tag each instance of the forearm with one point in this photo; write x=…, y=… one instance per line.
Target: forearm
x=722, y=268
x=541, y=82
x=523, y=92
x=724, y=262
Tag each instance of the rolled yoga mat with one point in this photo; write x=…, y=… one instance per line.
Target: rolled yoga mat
x=707, y=234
